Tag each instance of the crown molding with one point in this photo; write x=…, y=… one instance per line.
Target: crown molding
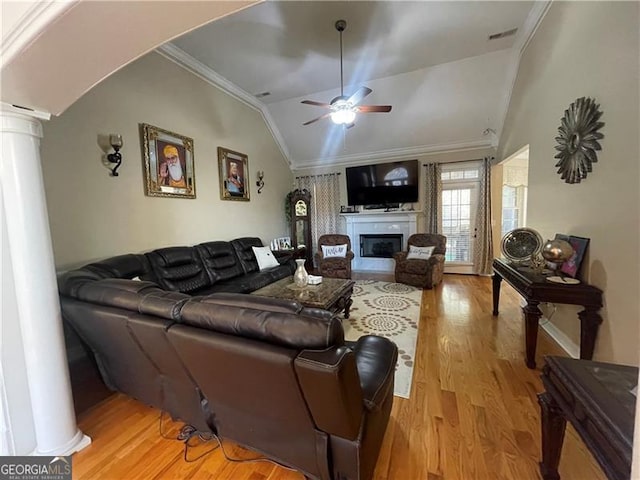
x=31, y=24
x=395, y=154
x=199, y=69
x=531, y=24
x=530, y=27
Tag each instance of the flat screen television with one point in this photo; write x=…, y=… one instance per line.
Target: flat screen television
x=383, y=184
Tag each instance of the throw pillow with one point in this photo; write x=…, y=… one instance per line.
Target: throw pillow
x=334, y=251
x=420, y=253
x=265, y=258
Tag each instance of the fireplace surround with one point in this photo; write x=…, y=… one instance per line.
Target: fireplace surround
x=378, y=224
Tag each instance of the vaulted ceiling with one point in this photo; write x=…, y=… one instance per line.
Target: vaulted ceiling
x=433, y=61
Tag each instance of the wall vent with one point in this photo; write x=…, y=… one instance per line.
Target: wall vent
x=506, y=33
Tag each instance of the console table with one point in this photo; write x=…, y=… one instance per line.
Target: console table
x=596, y=398
x=535, y=288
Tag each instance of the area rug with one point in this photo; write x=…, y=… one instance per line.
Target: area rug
x=391, y=310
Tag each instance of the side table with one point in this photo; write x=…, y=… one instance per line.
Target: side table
x=596, y=398
x=535, y=288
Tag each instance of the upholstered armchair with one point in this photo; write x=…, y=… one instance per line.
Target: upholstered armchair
x=418, y=272
x=334, y=266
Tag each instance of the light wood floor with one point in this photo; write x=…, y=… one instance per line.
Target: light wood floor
x=472, y=414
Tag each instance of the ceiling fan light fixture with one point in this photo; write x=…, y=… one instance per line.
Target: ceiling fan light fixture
x=342, y=109
x=343, y=117
x=342, y=113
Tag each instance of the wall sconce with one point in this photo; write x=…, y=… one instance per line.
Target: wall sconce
x=116, y=143
x=260, y=182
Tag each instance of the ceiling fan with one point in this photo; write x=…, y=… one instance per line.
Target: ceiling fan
x=342, y=109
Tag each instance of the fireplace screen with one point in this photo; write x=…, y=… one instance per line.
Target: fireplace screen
x=380, y=246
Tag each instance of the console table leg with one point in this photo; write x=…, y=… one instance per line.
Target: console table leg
x=553, y=428
x=590, y=321
x=532, y=315
x=496, y=292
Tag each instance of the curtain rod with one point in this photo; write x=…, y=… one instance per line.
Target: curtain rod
x=319, y=175
x=456, y=161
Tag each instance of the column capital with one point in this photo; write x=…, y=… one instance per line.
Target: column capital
x=21, y=120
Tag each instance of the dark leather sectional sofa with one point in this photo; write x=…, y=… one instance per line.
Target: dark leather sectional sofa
x=269, y=374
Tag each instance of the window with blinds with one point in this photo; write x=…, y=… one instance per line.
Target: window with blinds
x=459, y=199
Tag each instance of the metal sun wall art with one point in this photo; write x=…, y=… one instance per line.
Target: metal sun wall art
x=578, y=140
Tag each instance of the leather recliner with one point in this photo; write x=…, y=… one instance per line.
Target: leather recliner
x=269, y=374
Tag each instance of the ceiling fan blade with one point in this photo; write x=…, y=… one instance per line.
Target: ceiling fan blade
x=374, y=108
x=357, y=97
x=316, y=119
x=317, y=104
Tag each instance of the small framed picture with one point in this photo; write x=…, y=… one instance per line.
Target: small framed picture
x=572, y=266
x=284, y=243
x=233, y=168
x=168, y=163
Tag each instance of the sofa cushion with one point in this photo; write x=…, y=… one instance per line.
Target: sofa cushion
x=339, y=251
x=254, y=318
x=179, y=269
x=265, y=258
x=220, y=260
x=420, y=253
x=244, y=252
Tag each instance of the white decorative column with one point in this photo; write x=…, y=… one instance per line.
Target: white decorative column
x=35, y=285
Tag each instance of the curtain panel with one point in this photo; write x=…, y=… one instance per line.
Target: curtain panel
x=433, y=198
x=483, y=245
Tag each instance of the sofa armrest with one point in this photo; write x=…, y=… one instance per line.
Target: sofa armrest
x=331, y=388
x=376, y=362
x=436, y=258
x=400, y=256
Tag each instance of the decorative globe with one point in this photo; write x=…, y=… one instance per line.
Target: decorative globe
x=557, y=251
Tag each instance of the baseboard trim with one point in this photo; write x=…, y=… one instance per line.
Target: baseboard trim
x=561, y=339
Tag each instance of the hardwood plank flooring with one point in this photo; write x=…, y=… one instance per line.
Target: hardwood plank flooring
x=473, y=412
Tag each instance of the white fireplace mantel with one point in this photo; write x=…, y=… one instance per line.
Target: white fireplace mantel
x=399, y=222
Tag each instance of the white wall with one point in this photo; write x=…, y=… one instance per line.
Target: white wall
x=94, y=215
x=587, y=49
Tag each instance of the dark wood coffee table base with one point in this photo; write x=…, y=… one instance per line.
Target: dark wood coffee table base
x=333, y=294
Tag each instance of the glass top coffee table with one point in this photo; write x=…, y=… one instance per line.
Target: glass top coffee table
x=333, y=294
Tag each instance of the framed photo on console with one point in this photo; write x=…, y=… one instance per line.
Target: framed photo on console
x=233, y=168
x=572, y=266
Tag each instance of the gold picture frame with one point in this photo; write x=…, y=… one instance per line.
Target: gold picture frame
x=233, y=168
x=168, y=163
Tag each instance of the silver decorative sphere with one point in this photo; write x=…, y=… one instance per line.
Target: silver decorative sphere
x=557, y=251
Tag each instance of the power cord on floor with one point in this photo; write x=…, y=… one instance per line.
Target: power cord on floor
x=189, y=432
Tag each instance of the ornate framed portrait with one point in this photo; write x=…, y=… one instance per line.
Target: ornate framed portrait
x=168, y=163
x=234, y=169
